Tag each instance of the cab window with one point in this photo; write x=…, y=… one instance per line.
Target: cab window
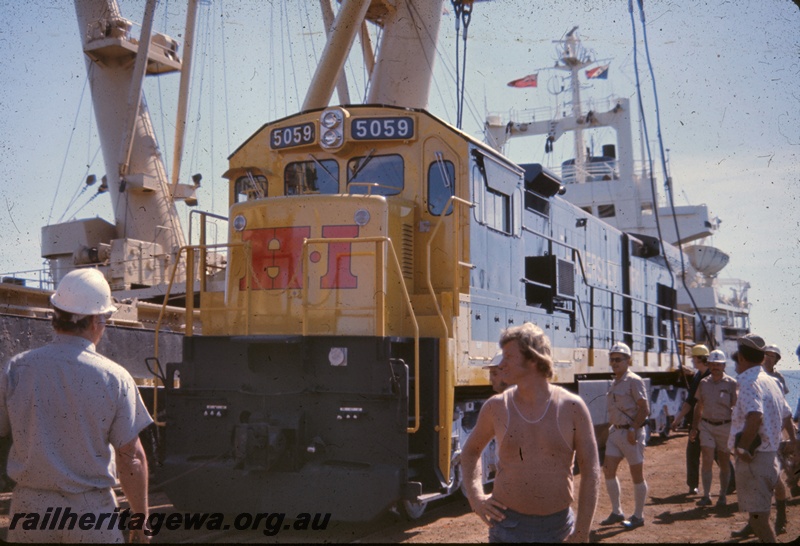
x=378, y=175
x=441, y=186
x=249, y=187
x=302, y=177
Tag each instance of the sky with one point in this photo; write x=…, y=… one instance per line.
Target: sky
x=727, y=76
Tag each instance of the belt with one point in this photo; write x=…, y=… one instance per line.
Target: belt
x=623, y=426
x=716, y=423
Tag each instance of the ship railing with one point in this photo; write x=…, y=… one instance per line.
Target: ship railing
x=382, y=244
x=32, y=278
x=591, y=172
x=546, y=113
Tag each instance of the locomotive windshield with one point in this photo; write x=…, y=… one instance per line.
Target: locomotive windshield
x=385, y=170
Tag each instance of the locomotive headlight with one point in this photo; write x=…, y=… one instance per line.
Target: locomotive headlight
x=239, y=222
x=331, y=119
x=331, y=138
x=332, y=127
x=361, y=217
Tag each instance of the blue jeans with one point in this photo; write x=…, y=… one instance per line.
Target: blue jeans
x=525, y=528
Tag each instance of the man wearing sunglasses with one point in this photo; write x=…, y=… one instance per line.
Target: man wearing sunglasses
x=73, y=413
x=627, y=412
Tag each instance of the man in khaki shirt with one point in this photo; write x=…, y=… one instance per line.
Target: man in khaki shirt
x=627, y=412
x=716, y=397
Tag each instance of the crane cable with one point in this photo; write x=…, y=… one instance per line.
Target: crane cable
x=463, y=15
x=667, y=185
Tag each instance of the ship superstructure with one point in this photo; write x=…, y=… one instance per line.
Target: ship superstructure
x=614, y=186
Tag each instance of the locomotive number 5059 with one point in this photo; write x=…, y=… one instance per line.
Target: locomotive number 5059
x=401, y=127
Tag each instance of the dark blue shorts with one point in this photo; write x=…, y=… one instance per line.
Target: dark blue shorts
x=525, y=528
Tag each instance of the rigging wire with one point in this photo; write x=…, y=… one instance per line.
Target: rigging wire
x=457, y=9
x=225, y=98
x=164, y=157
x=311, y=39
x=212, y=93
x=667, y=187
x=69, y=143
x=283, y=66
x=466, y=15
x=272, y=101
x=652, y=178
x=291, y=49
x=81, y=188
x=463, y=15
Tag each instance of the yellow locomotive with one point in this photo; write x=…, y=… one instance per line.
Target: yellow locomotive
x=375, y=255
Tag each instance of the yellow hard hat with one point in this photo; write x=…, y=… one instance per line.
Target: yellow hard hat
x=699, y=350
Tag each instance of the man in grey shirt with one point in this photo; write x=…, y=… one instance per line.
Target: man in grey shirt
x=73, y=413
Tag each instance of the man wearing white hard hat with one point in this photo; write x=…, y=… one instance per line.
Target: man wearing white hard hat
x=495, y=376
x=73, y=413
x=716, y=397
x=628, y=409
x=772, y=355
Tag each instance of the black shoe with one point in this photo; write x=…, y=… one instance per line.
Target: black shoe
x=692, y=491
x=612, y=519
x=744, y=532
x=633, y=523
x=705, y=501
x=780, y=529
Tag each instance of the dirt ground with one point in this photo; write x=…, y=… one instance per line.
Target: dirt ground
x=670, y=514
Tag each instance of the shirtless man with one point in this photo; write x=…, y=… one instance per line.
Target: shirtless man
x=539, y=429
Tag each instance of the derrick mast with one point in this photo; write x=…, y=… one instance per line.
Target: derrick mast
x=137, y=250
x=401, y=73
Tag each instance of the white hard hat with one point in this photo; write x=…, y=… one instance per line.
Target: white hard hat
x=83, y=292
x=717, y=356
x=496, y=359
x=620, y=348
x=773, y=349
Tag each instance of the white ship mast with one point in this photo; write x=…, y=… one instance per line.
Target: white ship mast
x=574, y=58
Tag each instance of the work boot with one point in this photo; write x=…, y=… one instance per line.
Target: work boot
x=705, y=501
x=612, y=519
x=780, y=517
x=744, y=532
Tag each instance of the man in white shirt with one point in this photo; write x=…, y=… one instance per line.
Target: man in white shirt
x=758, y=416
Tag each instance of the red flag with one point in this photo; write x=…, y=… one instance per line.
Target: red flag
x=528, y=81
x=598, y=72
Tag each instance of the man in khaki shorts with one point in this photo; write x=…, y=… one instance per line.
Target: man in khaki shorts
x=627, y=412
x=716, y=397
